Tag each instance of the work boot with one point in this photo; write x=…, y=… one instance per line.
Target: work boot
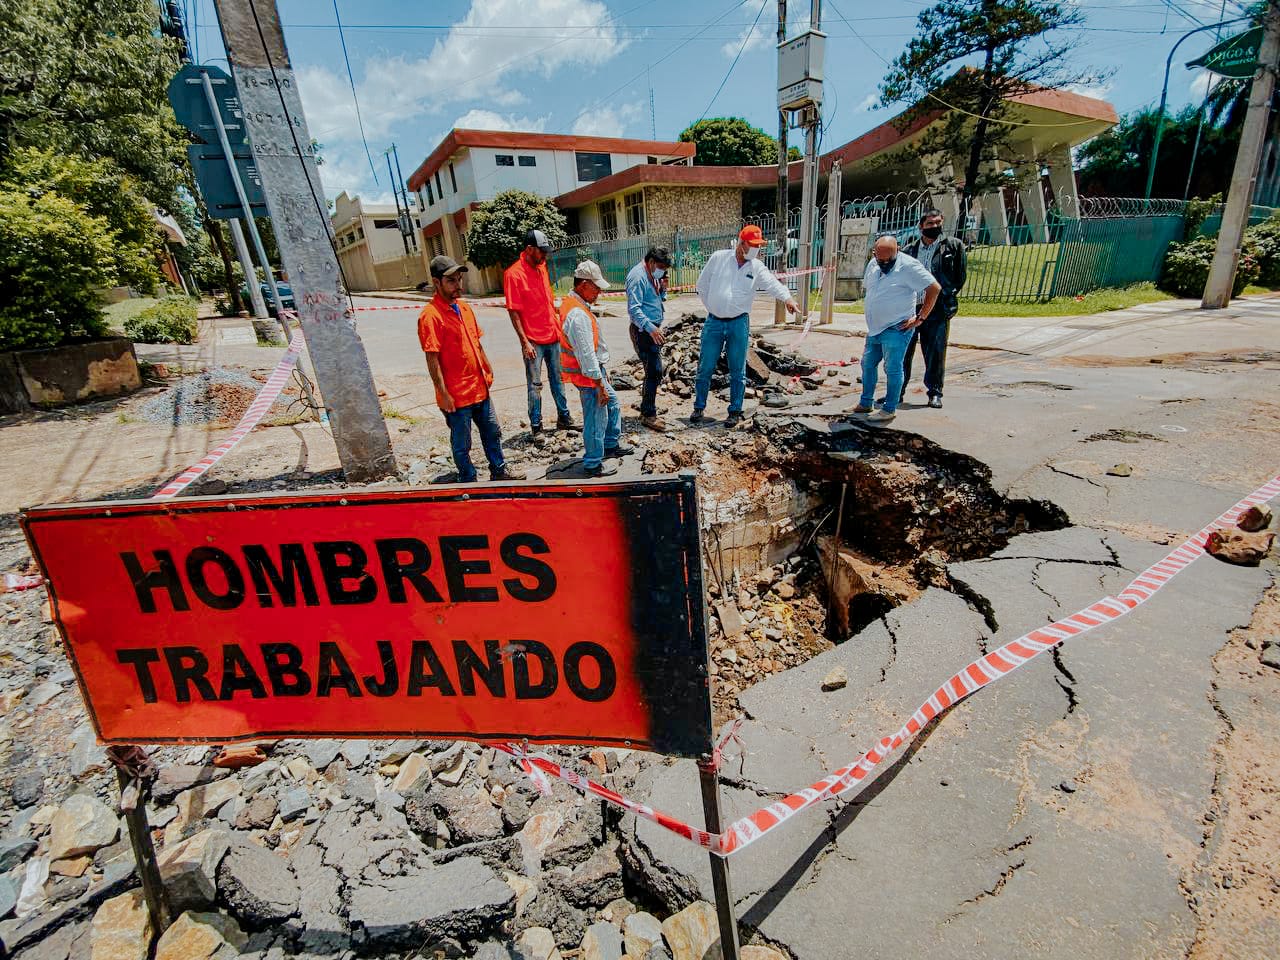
x=862, y=408
x=654, y=423
x=733, y=419
x=565, y=423
x=506, y=472
x=606, y=469
x=535, y=428
x=697, y=417
x=936, y=402
x=619, y=450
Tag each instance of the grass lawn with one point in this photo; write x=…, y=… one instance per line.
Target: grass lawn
x=118, y=313
x=1099, y=301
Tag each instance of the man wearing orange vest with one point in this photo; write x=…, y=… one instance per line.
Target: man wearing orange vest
x=584, y=357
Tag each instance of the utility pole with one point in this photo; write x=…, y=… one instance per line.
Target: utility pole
x=831, y=241
x=1222, y=273
x=395, y=193
x=780, y=207
x=812, y=119
x=250, y=276
x=268, y=90
x=404, y=192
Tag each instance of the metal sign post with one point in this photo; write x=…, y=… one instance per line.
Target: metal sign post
x=282, y=146
x=709, y=781
x=250, y=277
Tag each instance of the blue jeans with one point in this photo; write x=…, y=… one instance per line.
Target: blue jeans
x=549, y=354
x=482, y=414
x=890, y=346
x=601, y=425
x=723, y=336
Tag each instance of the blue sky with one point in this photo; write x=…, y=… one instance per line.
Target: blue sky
x=587, y=66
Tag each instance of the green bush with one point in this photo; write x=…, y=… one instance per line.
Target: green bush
x=496, y=234
x=1266, y=236
x=54, y=256
x=1186, y=267
x=172, y=320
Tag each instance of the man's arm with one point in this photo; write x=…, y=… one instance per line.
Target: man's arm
x=635, y=305
x=703, y=277
x=962, y=267
x=930, y=297
x=525, y=346
x=437, y=377
x=768, y=283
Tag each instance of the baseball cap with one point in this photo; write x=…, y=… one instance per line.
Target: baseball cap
x=752, y=236
x=590, y=270
x=443, y=266
x=536, y=238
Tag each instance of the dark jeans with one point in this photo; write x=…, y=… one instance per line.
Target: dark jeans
x=650, y=355
x=932, y=337
x=483, y=416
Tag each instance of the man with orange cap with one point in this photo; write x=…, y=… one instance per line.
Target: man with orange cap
x=727, y=285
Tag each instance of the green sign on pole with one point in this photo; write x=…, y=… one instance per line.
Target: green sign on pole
x=1235, y=57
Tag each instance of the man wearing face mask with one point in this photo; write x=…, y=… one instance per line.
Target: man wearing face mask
x=944, y=257
x=646, y=288
x=893, y=283
x=727, y=285
x=584, y=359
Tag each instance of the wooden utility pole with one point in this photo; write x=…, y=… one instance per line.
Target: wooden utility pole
x=283, y=153
x=1222, y=273
x=780, y=208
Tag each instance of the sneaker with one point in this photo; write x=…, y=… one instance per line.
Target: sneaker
x=697, y=417
x=862, y=408
x=734, y=418
x=506, y=473
x=935, y=402
x=881, y=416
x=654, y=423
x=565, y=423
x=606, y=469
x=619, y=450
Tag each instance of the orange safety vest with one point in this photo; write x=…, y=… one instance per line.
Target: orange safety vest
x=570, y=369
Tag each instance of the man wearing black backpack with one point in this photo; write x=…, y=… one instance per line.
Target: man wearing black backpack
x=944, y=257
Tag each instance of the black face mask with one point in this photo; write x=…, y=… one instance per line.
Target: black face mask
x=886, y=265
x=931, y=233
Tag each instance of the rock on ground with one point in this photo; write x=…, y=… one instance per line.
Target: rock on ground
x=258, y=885
x=602, y=941
x=201, y=936
x=190, y=870
x=692, y=932
x=82, y=825
x=121, y=929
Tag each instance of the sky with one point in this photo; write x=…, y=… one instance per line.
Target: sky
x=636, y=69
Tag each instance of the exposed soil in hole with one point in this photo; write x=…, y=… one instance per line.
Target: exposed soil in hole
x=909, y=508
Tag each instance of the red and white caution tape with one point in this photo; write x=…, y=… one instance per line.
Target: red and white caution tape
x=13, y=582
x=398, y=306
x=978, y=674
x=268, y=395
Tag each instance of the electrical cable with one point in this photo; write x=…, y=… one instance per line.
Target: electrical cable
x=302, y=161
x=352, y=81
x=728, y=73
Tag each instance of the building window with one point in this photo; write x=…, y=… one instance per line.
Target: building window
x=439, y=185
x=431, y=195
x=384, y=224
x=505, y=160
x=633, y=203
x=608, y=219
x=593, y=166
x=528, y=161
x=360, y=232
x=453, y=178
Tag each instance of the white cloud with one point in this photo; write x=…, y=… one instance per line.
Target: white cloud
x=477, y=119
x=868, y=103
x=346, y=168
x=513, y=39
x=765, y=30
x=1097, y=90
x=607, y=122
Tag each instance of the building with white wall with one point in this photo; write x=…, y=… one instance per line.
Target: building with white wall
x=472, y=166
x=371, y=249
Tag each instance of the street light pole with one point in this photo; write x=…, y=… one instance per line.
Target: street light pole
x=1164, y=97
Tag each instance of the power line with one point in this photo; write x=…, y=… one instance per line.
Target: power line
x=728, y=73
x=352, y=81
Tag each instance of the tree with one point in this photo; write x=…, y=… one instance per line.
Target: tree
x=498, y=227
x=732, y=142
x=967, y=60
x=1115, y=163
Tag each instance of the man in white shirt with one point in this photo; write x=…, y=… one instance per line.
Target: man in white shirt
x=727, y=285
x=893, y=283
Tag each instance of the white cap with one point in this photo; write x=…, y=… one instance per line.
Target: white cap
x=590, y=270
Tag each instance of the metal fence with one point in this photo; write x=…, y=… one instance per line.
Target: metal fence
x=1086, y=243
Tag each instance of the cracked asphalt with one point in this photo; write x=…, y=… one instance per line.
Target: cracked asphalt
x=1062, y=811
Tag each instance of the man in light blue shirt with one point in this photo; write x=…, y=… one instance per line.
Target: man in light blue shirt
x=893, y=284
x=646, y=289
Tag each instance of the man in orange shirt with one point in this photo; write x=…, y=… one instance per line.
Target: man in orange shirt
x=450, y=338
x=532, y=306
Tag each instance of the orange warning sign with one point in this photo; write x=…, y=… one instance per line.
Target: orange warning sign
x=553, y=613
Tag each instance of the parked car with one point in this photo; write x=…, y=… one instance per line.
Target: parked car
x=286, y=295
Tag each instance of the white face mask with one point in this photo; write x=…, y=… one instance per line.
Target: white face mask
x=752, y=252
x=659, y=273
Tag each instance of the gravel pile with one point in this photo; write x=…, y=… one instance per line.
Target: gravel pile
x=216, y=395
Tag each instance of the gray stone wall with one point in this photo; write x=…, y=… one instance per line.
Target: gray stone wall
x=666, y=208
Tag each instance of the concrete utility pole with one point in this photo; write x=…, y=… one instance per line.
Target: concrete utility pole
x=273, y=116
x=780, y=208
x=831, y=241
x=1222, y=273
x=246, y=265
x=809, y=184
